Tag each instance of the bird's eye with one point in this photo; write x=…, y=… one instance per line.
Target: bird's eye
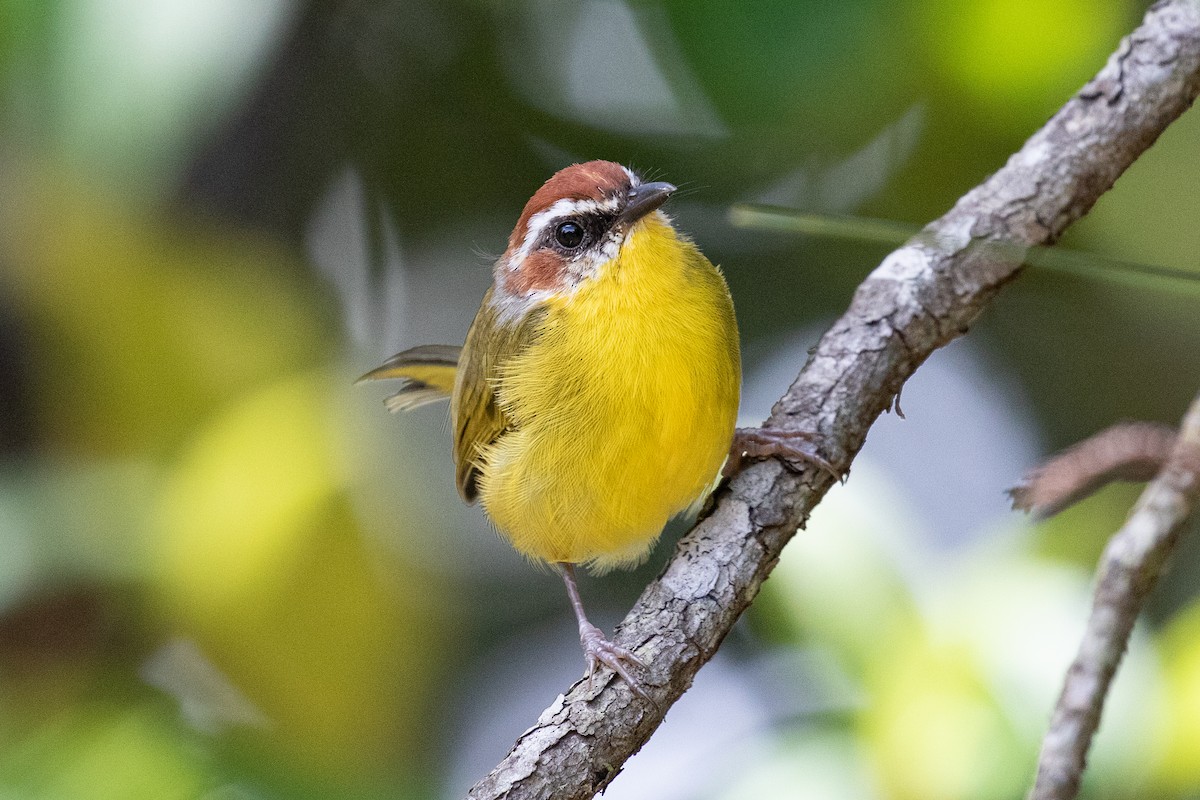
x=569, y=234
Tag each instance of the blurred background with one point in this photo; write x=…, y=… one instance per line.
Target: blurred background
x=227, y=573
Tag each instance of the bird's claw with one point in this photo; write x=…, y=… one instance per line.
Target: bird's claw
x=790, y=445
x=600, y=650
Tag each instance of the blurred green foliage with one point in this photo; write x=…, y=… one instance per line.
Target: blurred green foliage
x=225, y=573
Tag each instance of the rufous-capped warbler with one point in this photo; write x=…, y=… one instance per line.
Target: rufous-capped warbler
x=597, y=392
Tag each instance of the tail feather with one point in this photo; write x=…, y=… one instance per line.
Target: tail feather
x=427, y=374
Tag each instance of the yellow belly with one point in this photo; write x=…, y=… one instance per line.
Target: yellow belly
x=623, y=410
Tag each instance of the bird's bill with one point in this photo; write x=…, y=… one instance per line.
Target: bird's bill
x=643, y=199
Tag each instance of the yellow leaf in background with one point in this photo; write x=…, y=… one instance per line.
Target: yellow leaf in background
x=142, y=324
x=101, y=753
x=262, y=561
x=840, y=581
x=242, y=493
x=935, y=730
x=1017, y=58
x=1179, y=647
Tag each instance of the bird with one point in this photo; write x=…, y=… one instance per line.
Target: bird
x=596, y=394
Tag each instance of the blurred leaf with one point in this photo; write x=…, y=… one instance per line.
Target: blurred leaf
x=136, y=83
x=1018, y=59
x=262, y=561
x=958, y=657
x=1152, y=216
x=783, y=61
x=822, y=765
x=838, y=580
x=242, y=493
x=1179, y=771
x=142, y=324
x=935, y=731
x=98, y=753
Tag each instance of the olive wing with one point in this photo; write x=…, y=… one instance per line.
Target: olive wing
x=477, y=419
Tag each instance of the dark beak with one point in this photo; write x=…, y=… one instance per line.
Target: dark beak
x=643, y=199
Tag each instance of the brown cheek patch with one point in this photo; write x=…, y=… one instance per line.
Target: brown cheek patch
x=593, y=180
x=542, y=270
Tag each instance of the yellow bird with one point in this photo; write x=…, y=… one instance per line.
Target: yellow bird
x=597, y=393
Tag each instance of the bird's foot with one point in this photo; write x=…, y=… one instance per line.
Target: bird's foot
x=598, y=649
x=792, y=446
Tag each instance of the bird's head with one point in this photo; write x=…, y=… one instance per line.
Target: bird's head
x=573, y=225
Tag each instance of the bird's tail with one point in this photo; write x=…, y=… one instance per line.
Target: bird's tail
x=427, y=373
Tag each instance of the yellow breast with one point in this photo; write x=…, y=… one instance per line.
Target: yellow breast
x=623, y=409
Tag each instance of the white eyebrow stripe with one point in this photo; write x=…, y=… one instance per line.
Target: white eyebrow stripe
x=587, y=265
x=567, y=207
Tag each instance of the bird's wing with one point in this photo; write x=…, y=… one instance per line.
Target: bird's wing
x=477, y=417
x=427, y=372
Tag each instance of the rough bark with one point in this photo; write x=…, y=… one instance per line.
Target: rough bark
x=922, y=296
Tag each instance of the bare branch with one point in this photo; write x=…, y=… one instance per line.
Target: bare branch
x=1129, y=569
x=1129, y=451
x=921, y=297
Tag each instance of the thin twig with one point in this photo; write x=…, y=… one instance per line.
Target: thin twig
x=1129, y=569
x=921, y=297
x=1127, y=451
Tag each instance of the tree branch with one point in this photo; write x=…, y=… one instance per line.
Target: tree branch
x=922, y=296
x=1128, y=451
x=1129, y=569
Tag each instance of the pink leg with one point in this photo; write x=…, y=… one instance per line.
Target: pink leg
x=596, y=647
